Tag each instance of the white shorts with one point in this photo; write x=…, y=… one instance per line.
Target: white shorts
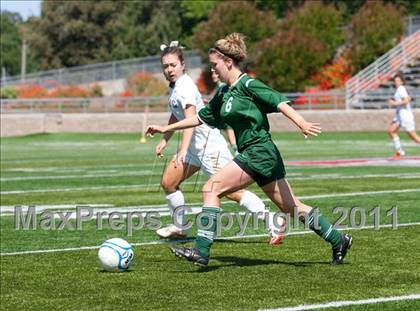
x=405, y=121
x=210, y=161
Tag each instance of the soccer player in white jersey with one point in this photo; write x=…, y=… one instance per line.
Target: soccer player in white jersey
x=201, y=148
x=404, y=116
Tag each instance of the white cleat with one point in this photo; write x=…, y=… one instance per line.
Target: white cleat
x=171, y=232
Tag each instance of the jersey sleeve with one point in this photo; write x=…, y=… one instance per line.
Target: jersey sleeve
x=266, y=97
x=210, y=114
x=186, y=97
x=402, y=92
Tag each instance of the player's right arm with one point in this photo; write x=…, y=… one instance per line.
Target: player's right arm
x=166, y=137
x=192, y=121
x=210, y=115
x=405, y=99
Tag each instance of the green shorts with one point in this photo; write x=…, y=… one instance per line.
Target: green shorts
x=262, y=162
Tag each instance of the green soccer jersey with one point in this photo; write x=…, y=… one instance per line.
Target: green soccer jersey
x=244, y=107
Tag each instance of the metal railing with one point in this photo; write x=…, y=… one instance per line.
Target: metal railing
x=302, y=101
x=97, y=72
x=413, y=24
x=382, y=69
x=83, y=105
x=379, y=99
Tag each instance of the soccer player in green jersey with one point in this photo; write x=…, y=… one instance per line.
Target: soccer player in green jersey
x=229, y=132
x=243, y=104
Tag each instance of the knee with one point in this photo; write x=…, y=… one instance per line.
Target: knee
x=167, y=185
x=211, y=189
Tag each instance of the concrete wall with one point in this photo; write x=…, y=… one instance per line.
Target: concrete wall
x=331, y=120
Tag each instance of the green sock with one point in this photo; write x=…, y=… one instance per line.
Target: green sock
x=324, y=228
x=207, y=230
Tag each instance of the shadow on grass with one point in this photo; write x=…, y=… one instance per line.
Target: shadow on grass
x=231, y=261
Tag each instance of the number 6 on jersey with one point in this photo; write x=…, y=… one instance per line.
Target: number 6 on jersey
x=229, y=104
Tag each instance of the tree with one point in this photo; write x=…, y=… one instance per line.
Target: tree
x=12, y=29
x=71, y=33
x=10, y=42
x=375, y=29
x=280, y=8
x=321, y=22
x=349, y=8
x=235, y=16
x=144, y=25
x=287, y=60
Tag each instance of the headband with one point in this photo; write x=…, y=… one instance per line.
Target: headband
x=172, y=44
x=223, y=53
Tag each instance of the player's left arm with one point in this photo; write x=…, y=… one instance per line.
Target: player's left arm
x=272, y=101
x=307, y=128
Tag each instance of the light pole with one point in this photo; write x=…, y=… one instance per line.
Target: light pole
x=23, y=62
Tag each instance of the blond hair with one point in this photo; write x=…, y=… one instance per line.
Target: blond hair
x=232, y=46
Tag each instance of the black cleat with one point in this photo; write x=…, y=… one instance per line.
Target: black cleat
x=340, y=252
x=190, y=254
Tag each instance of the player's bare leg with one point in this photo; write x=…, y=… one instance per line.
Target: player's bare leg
x=393, y=133
x=226, y=181
x=281, y=194
x=174, y=174
x=413, y=135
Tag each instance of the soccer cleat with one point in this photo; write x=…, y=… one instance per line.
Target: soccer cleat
x=275, y=240
x=171, y=232
x=190, y=254
x=400, y=153
x=340, y=252
x=277, y=235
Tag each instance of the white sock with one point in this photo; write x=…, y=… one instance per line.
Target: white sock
x=277, y=227
x=397, y=143
x=176, y=204
x=254, y=204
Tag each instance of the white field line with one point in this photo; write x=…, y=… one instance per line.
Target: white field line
x=371, y=162
x=107, y=213
x=6, y=210
x=155, y=186
x=187, y=183
x=137, y=173
x=351, y=194
x=236, y=237
x=54, y=168
x=147, y=173
x=338, y=176
x=71, y=170
x=343, y=303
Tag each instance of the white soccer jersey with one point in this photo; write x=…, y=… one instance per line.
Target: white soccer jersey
x=404, y=115
x=205, y=140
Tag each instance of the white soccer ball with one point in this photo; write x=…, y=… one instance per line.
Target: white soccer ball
x=116, y=255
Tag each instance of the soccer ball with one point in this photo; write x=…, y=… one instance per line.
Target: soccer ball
x=116, y=255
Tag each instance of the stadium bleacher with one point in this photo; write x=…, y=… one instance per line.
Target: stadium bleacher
x=378, y=99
